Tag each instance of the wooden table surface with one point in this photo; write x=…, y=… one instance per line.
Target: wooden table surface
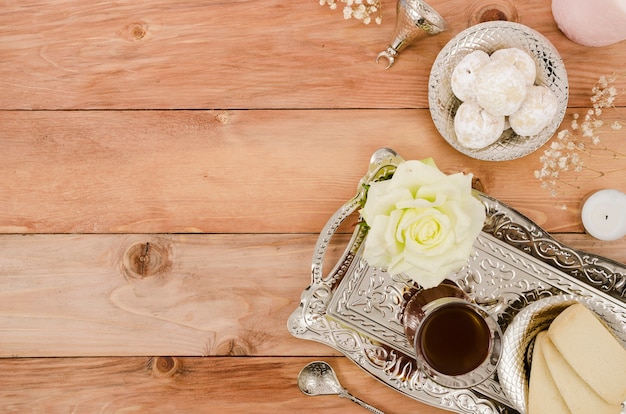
x=166, y=166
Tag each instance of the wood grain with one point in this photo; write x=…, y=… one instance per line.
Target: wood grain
x=130, y=295
x=234, y=55
x=93, y=295
x=245, y=171
x=166, y=166
x=190, y=385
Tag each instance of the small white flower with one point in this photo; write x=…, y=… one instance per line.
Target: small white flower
x=562, y=134
x=563, y=154
x=359, y=9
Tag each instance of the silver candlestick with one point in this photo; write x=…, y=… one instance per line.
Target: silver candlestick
x=415, y=20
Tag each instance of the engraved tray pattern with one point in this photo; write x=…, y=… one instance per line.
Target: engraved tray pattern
x=356, y=308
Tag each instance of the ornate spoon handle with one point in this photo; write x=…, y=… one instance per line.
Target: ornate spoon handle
x=346, y=394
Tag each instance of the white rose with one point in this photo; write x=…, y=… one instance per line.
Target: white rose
x=423, y=223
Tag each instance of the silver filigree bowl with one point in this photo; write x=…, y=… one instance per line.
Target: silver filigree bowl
x=489, y=37
x=519, y=338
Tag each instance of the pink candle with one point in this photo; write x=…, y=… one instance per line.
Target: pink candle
x=591, y=22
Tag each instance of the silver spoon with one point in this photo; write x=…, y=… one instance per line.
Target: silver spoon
x=318, y=378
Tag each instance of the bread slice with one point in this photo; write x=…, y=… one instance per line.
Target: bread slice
x=579, y=397
x=593, y=352
x=543, y=395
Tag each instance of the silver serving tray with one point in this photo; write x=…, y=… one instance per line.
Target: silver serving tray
x=356, y=309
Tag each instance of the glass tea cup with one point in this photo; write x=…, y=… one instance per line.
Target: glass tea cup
x=457, y=342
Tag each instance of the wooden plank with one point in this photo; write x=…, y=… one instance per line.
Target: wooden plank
x=81, y=295
x=212, y=54
x=190, y=385
x=224, y=171
x=142, y=295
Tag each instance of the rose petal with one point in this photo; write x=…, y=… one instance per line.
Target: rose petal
x=423, y=223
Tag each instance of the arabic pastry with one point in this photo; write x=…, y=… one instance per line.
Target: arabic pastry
x=475, y=127
x=500, y=88
x=465, y=72
x=579, y=397
x=520, y=59
x=543, y=394
x=592, y=351
x=536, y=112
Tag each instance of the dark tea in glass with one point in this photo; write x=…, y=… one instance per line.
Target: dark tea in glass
x=455, y=339
x=457, y=343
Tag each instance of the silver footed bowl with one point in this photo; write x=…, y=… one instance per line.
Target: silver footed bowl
x=489, y=37
x=519, y=338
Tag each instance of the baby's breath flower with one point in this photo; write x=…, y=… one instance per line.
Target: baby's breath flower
x=359, y=9
x=564, y=153
x=347, y=12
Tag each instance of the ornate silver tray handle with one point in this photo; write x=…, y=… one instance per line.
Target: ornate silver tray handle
x=356, y=309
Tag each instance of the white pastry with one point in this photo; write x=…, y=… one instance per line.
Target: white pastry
x=536, y=112
x=543, y=393
x=579, y=397
x=464, y=74
x=500, y=88
x=476, y=128
x=520, y=59
x=592, y=351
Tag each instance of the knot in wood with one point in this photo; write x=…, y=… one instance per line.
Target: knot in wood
x=477, y=184
x=135, y=31
x=232, y=347
x=502, y=10
x=143, y=260
x=165, y=366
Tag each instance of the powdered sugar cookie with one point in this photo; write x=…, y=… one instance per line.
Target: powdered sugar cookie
x=520, y=59
x=464, y=74
x=536, y=112
x=500, y=88
x=476, y=128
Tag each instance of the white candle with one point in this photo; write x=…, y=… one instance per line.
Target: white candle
x=604, y=215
